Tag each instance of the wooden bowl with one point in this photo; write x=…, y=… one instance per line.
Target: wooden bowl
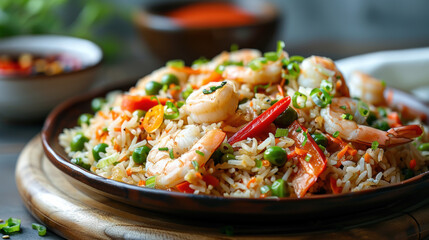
x=168, y=41
x=314, y=212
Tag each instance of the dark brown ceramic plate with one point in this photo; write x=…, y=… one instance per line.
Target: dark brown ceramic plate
x=320, y=210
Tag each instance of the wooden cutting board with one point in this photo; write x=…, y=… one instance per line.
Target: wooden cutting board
x=74, y=214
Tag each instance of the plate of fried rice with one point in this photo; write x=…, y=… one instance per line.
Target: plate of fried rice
x=247, y=134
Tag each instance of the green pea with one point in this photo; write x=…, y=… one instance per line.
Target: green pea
x=286, y=118
x=168, y=79
x=97, y=104
x=227, y=157
x=226, y=148
x=371, y=118
x=382, y=125
x=152, y=88
x=84, y=118
x=275, y=155
x=423, y=147
x=279, y=189
x=320, y=139
x=140, y=154
x=78, y=142
x=78, y=161
x=99, y=148
x=408, y=173
x=139, y=113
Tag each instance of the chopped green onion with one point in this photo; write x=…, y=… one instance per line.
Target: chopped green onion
x=180, y=104
x=234, y=47
x=293, y=69
x=257, y=63
x=41, y=230
x=199, y=153
x=382, y=112
x=258, y=163
x=78, y=161
x=200, y=61
x=163, y=149
x=343, y=107
x=347, y=116
x=336, y=133
x=281, y=132
x=265, y=189
x=219, y=69
x=321, y=147
x=320, y=97
x=423, y=147
x=214, y=88
x=151, y=182
x=156, y=98
x=308, y=157
x=177, y=63
x=338, y=77
x=363, y=109
x=295, y=100
x=296, y=58
x=107, y=161
x=271, y=56
x=171, y=154
x=298, y=130
x=255, y=89
x=165, y=88
x=280, y=46
x=326, y=85
x=305, y=138
x=374, y=145
x=187, y=92
x=195, y=164
x=175, y=113
x=11, y=225
x=279, y=189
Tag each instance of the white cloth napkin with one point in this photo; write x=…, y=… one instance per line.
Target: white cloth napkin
x=407, y=69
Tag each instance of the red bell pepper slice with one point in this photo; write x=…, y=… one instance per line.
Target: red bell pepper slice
x=132, y=103
x=308, y=171
x=184, y=187
x=262, y=122
x=211, y=180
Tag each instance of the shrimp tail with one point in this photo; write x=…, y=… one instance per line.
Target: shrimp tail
x=393, y=137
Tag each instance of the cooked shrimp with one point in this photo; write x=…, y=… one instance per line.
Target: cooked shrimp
x=367, y=88
x=213, y=107
x=315, y=69
x=352, y=131
x=170, y=172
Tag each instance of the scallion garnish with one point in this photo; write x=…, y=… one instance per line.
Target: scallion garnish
x=200, y=61
x=298, y=130
x=336, y=133
x=347, y=116
x=295, y=100
x=296, y=58
x=195, y=164
x=187, y=92
x=177, y=63
x=175, y=112
x=199, y=153
x=271, y=56
x=281, y=132
x=41, y=230
x=293, y=69
x=156, y=98
x=308, y=157
x=321, y=147
x=343, y=107
x=151, y=182
x=257, y=63
x=374, y=145
x=326, y=85
x=382, y=112
x=258, y=163
x=219, y=69
x=265, y=189
x=280, y=46
x=233, y=47
x=171, y=153
x=255, y=88
x=163, y=149
x=305, y=138
x=11, y=225
x=212, y=89
x=180, y=104
x=338, y=77
x=320, y=97
x=363, y=109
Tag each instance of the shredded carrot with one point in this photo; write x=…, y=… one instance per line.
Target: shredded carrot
x=114, y=114
x=149, y=137
x=338, y=84
x=334, y=187
x=198, y=174
x=117, y=147
x=413, y=164
x=265, y=163
x=214, y=77
x=117, y=129
x=276, y=140
x=389, y=98
x=142, y=183
x=252, y=180
x=300, y=152
x=263, y=196
x=251, y=104
x=101, y=113
x=342, y=152
x=280, y=87
x=194, y=87
x=173, y=90
x=367, y=157
x=351, y=151
x=129, y=172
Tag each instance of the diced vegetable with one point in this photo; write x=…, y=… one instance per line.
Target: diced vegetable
x=140, y=154
x=423, y=147
x=78, y=161
x=151, y=182
x=279, y=189
x=41, y=230
x=153, y=119
x=169, y=78
x=320, y=139
x=295, y=97
x=132, y=103
x=184, y=187
x=97, y=104
x=99, y=148
x=84, y=118
x=153, y=88
x=107, y=161
x=286, y=118
x=211, y=180
x=276, y=155
x=78, y=142
x=261, y=123
x=11, y=225
x=175, y=112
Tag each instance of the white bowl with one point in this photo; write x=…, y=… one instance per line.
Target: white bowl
x=32, y=97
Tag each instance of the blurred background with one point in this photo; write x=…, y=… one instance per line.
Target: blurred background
x=332, y=28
